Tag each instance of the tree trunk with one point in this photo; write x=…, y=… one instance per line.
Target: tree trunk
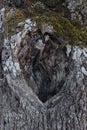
x=20, y=107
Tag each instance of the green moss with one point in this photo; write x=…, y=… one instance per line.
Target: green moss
x=83, y=35
x=71, y=32
x=39, y=8
x=65, y=28
x=57, y=6
x=11, y=21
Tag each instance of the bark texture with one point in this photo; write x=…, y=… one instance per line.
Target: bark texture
x=20, y=108
x=42, y=87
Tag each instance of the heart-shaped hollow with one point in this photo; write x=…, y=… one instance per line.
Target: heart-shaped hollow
x=44, y=68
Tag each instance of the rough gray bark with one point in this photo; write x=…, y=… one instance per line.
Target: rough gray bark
x=21, y=110
x=20, y=107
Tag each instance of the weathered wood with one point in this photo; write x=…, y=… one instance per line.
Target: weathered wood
x=20, y=107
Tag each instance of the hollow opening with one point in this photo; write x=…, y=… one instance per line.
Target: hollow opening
x=45, y=73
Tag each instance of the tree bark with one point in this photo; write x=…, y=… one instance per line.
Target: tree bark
x=20, y=107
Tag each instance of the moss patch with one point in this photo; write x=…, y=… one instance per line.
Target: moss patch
x=65, y=28
x=71, y=32
x=57, y=6
x=11, y=21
